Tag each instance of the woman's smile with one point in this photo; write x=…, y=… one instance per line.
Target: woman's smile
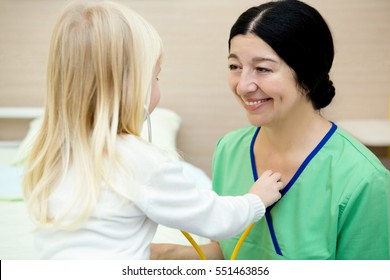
x=252, y=104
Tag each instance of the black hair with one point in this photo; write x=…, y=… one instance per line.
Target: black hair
x=300, y=36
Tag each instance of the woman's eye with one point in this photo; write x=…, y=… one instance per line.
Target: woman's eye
x=262, y=70
x=233, y=67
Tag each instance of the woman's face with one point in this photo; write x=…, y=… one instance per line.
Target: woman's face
x=262, y=82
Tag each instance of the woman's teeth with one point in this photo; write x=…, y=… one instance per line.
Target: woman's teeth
x=252, y=103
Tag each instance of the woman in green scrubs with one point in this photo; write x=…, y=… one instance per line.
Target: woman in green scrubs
x=336, y=201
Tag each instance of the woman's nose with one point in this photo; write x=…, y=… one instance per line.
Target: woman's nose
x=246, y=84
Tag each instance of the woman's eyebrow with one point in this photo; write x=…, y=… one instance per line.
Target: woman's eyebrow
x=261, y=59
x=255, y=59
x=232, y=55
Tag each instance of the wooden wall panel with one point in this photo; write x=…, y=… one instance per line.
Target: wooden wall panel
x=193, y=79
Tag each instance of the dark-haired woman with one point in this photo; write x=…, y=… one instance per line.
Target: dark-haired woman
x=336, y=201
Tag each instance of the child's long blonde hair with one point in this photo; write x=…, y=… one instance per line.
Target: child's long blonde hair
x=100, y=68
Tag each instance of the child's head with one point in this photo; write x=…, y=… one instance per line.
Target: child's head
x=101, y=65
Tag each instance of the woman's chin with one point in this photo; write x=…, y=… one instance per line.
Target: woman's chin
x=257, y=120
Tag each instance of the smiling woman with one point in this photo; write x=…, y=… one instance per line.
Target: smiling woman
x=280, y=74
x=336, y=200
x=260, y=79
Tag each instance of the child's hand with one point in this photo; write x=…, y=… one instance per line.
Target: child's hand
x=268, y=187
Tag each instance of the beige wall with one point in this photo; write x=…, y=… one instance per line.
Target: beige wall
x=193, y=79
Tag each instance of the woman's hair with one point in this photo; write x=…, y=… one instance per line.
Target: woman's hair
x=100, y=68
x=300, y=36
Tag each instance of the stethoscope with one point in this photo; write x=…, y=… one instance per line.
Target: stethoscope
x=149, y=123
x=186, y=234
x=236, y=248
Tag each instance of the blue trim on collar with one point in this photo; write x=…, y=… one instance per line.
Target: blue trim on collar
x=272, y=233
x=290, y=183
x=253, y=162
x=306, y=162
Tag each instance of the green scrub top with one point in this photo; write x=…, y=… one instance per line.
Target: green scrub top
x=336, y=206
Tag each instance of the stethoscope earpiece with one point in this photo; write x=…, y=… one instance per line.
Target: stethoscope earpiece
x=149, y=123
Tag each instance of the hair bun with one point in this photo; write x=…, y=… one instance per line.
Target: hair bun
x=323, y=94
x=330, y=91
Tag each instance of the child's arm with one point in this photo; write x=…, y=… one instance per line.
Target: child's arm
x=170, y=199
x=267, y=187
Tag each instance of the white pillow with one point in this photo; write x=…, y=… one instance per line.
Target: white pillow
x=26, y=144
x=165, y=125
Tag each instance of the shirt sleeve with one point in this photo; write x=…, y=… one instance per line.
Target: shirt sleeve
x=168, y=198
x=364, y=222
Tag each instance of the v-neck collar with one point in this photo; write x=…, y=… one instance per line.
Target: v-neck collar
x=301, y=167
x=291, y=182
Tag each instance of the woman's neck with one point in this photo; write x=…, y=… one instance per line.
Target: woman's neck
x=300, y=132
x=283, y=146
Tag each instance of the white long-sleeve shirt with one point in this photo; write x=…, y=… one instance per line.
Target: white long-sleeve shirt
x=123, y=229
